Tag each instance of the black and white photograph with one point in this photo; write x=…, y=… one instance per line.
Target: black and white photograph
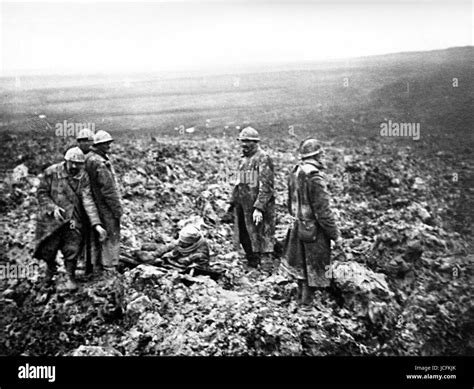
x=222, y=182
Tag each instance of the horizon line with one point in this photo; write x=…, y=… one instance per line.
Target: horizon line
x=220, y=67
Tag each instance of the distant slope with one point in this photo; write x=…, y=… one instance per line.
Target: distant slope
x=346, y=98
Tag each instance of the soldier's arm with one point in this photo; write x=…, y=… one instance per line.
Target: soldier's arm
x=167, y=249
x=233, y=179
x=45, y=201
x=89, y=203
x=231, y=200
x=198, y=258
x=108, y=190
x=266, y=178
x=319, y=199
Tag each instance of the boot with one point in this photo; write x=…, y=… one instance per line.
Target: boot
x=110, y=271
x=71, y=283
x=97, y=271
x=267, y=264
x=50, y=273
x=307, y=294
x=253, y=260
x=89, y=268
x=299, y=292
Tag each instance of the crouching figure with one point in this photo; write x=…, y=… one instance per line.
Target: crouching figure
x=190, y=250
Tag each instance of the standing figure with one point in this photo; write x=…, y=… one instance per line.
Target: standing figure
x=107, y=198
x=308, y=248
x=65, y=207
x=84, y=140
x=253, y=202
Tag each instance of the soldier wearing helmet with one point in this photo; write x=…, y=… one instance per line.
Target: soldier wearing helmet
x=308, y=249
x=190, y=250
x=252, y=202
x=107, y=198
x=84, y=139
x=65, y=206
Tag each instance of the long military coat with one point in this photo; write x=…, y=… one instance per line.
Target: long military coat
x=107, y=198
x=308, y=199
x=254, y=189
x=55, y=190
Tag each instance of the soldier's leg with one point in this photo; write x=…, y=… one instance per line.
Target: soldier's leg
x=307, y=293
x=88, y=252
x=71, y=247
x=48, y=252
x=110, y=249
x=96, y=254
x=299, y=293
x=253, y=259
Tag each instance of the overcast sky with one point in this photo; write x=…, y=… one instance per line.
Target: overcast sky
x=110, y=37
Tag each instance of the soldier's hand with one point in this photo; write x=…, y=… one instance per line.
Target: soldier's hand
x=229, y=215
x=227, y=218
x=167, y=256
x=337, y=243
x=58, y=214
x=257, y=216
x=102, y=233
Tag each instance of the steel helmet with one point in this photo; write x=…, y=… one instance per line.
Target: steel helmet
x=309, y=148
x=189, y=234
x=85, y=133
x=74, y=154
x=249, y=133
x=102, y=137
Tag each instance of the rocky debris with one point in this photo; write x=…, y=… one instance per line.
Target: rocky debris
x=420, y=212
x=398, y=267
x=138, y=305
x=366, y=293
x=20, y=172
x=419, y=184
x=410, y=298
x=354, y=278
x=145, y=276
x=95, y=351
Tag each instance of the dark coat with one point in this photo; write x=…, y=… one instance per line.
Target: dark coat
x=90, y=252
x=308, y=199
x=104, y=188
x=56, y=189
x=254, y=189
x=107, y=198
x=198, y=255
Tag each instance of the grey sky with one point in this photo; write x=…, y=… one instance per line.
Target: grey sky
x=115, y=37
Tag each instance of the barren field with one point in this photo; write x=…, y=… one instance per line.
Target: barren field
x=404, y=207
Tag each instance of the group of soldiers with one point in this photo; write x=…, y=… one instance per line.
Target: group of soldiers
x=306, y=250
x=80, y=211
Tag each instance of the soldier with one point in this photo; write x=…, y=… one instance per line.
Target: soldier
x=107, y=199
x=84, y=140
x=253, y=203
x=308, y=248
x=65, y=203
x=190, y=250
